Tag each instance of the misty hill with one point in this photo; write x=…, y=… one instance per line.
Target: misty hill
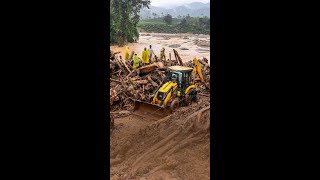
x=194, y=9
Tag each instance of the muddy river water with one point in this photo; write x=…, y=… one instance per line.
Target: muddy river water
x=187, y=45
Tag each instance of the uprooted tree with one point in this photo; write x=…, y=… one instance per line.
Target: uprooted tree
x=124, y=17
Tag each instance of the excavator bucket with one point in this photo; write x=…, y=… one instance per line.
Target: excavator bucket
x=150, y=111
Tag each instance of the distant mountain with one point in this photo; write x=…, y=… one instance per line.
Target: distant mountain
x=193, y=9
x=198, y=5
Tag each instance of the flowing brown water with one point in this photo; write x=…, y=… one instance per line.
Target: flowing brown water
x=197, y=45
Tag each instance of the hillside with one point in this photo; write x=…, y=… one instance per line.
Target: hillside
x=194, y=9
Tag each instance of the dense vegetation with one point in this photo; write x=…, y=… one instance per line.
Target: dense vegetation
x=195, y=25
x=124, y=17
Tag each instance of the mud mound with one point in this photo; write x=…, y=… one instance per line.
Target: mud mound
x=175, y=147
x=202, y=43
x=174, y=45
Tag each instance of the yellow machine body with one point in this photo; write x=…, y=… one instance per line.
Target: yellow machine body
x=178, y=85
x=167, y=90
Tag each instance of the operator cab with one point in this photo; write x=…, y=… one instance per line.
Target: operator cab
x=175, y=76
x=181, y=75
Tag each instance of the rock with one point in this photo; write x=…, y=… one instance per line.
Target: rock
x=174, y=45
x=203, y=50
x=202, y=43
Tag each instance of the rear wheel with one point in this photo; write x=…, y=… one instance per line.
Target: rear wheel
x=190, y=96
x=187, y=99
x=174, y=105
x=194, y=96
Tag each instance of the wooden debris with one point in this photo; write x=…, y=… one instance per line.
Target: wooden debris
x=115, y=80
x=131, y=56
x=141, y=82
x=148, y=68
x=128, y=84
x=152, y=82
x=178, y=57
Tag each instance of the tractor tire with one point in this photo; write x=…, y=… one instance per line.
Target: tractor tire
x=187, y=99
x=174, y=105
x=194, y=96
x=190, y=97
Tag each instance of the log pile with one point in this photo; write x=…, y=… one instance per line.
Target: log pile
x=127, y=84
x=204, y=88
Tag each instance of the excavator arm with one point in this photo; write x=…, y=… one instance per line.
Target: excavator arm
x=197, y=69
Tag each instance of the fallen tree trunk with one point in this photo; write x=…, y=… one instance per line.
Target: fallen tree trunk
x=148, y=68
x=115, y=80
x=141, y=82
x=132, y=74
x=124, y=63
x=152, y=82
x=178, y=57
x=156, y=58
x=131, y=56
x=118, y=62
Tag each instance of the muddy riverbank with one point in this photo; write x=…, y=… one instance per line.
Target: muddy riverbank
x=187, y=45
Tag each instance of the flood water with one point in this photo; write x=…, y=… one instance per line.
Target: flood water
x=187, y=45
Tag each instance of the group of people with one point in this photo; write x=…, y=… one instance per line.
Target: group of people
x=145, y=60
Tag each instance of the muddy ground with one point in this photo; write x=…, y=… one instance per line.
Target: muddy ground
x=175, y=147
x=188, y=45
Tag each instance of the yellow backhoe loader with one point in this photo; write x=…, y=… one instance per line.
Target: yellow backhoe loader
x=179, y=89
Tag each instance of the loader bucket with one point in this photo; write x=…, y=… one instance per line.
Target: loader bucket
x=150, y=111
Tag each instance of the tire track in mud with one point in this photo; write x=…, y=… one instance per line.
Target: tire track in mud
x=153, y=152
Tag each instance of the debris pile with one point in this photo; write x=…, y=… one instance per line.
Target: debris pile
x=127, y=84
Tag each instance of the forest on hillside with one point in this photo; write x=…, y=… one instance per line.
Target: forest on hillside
x=183, y=24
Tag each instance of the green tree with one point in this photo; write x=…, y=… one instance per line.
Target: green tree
x=168, y=19
x=154, y=15
x=124, y=17
x=183, y=21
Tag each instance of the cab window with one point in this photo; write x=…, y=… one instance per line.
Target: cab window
x=186, y=78
x=174, y=77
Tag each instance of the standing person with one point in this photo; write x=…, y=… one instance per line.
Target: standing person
x=150, y=53
x=162, y=54
x=145, y=56
x=136, y=61
x=126, y=54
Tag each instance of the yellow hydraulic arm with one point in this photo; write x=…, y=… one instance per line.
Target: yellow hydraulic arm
x=197, y=69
